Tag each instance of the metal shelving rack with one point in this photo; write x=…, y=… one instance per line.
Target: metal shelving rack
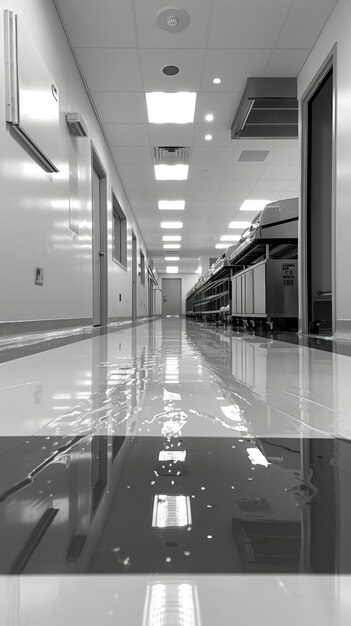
x=206, y=301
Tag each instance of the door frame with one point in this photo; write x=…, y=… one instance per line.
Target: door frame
x=96, y=164
x=329, y=64
x=134, y=276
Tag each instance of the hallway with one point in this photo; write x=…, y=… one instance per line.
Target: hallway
x=205, y=452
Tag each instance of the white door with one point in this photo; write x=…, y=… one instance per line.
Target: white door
x=172, y=296
x=96, y=250
x=134, y=276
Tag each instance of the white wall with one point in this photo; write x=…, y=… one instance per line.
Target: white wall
x=337, y=31
x=188, y=281
x=34, y=216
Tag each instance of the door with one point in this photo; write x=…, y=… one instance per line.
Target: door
x=151, y=297
x=134, y=276
x=96, y=250
x=319, y=208
x=99, y=241
x=172, y=296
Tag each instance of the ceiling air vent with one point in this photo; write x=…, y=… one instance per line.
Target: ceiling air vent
x=171, y=155
x=76, y=125
x=268, y=110
x=253, y=156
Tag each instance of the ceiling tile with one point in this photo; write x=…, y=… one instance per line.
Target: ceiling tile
x=304, y=23
x=127, y=134
x=222, y=105
x=234, y=67
x=132, y=156
x=139, y=185
x=271, y=185
x=209, y=155
x=220, y=135
x=245, y=171
x=203, y=185
x=110, y=69
x=281, y=172
x=136, y=172
x=231, y=196
x=214, y=172
x=172, y=189
x=90, y=24
x=286, y=63
x=151, y=36
x=240, y=185
x=247, y=23
x=121, y=107
x=188, y=61
x=171, y=134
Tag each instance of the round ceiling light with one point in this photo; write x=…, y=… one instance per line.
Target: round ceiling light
x=170, y=70
x=172, y=19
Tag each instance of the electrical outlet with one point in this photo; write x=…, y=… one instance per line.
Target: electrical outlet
x=38, y=275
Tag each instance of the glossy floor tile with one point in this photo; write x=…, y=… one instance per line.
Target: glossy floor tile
x=172, y=473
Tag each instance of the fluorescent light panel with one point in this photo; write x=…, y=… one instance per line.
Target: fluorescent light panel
x=254, y=205
x=171, y=511
x=171, y=246
x=171, y=205
x=172, y=269
x=171, y=258
x=239, y=225
x=222, y=246
x=230, y=237
x=171, y=238
x=171, y=108
x=171, y=225
x=171, y=172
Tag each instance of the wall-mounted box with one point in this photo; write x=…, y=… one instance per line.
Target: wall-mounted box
x=32, y=97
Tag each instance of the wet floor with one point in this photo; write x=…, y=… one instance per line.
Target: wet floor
x=168, y=460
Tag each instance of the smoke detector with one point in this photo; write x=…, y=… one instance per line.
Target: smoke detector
x=173, y=20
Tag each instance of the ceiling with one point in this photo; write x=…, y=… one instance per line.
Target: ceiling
x=121, y=51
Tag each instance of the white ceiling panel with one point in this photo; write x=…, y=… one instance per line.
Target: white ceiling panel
x=127, y=135
x=138, y=185
x=231, y=196
x=121, y=107
x=188, y=61
x=247, y=23
x=173, y=189
x=245, y=171
x=132, y=156
x=110, y=69
x=233, y=67
x=281, y=172
x=304, y=23
x=203, y=185
x=94, y=24
x=286, y=156
x=271, y=185
x=286, y=63
x=207, y=172
x=223, y=106
x=151, y=36
x=211, y=155
x=171, y=134
x=136, y=172
x=220, y=135
x=239, y=186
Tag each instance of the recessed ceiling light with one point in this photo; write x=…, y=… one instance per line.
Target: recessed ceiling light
x=220, y=246
x=170, y=70
x=254, y=205
x=172, y=269
x=230, y=237
x=171, y=224
x=217, y=81
x=171, y=238
x=208, y=137
x=171, y=511
x=209, y=117
x=171, y=258
x=171, y=246
x=171, y=172
x=171, y=108
x=239, y=225
x=171, y=205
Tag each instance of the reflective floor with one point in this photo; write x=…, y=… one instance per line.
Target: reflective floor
x=175, y=474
